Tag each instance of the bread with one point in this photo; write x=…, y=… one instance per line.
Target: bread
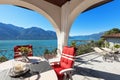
x=19, y=67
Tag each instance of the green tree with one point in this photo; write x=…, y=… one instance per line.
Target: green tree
x=117, y=46
x=47, y=51
x=83, y=49
x=54, y=51
x=100, y=43
x=73, y=44
x=3, y=58
x=112, y=31
x=92, y=43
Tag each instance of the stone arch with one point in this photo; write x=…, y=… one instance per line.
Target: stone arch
x=34, y=8
x=81, y=7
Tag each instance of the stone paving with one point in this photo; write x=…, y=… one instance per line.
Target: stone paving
x=92, y=67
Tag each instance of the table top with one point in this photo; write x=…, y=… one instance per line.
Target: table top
x=42, y=68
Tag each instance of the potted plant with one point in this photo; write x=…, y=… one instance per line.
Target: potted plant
x=24, y=51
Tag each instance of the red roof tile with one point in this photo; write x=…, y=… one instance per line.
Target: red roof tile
x=117, y=35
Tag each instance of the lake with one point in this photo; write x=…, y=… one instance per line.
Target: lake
x=39, y=46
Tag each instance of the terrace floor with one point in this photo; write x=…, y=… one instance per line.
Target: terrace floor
x=92, y=67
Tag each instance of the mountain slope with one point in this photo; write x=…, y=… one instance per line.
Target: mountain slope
x=36, y=34
x=8, y=31
x=96, y=36
x=11, y=32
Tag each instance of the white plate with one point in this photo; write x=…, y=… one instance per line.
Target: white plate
x=12, y=73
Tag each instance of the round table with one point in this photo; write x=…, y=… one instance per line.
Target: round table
x=43, y=68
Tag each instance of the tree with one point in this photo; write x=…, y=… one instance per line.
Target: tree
x=47, y=51
x=3, y=58
x=112, y=31
x=100, y=43
x=73, y=44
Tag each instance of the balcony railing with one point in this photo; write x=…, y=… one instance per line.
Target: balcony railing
x=37, y=51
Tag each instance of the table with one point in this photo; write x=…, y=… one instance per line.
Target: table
x=45, y=72
x=114, y=56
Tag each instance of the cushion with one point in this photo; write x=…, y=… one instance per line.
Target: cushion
x=57, y=69
x=66, y=63
x=68, y=50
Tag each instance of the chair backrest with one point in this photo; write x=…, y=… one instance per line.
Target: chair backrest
x=67, y=58
x=98, y=49
x=107, y=49
x=17, y=51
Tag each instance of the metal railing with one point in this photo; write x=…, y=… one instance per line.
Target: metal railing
x=37, y=51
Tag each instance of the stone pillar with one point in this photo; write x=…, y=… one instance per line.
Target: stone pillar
x=65, y=27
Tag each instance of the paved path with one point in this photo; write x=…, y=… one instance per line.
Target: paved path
x=92, y=67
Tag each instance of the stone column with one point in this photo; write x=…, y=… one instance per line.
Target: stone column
x=65, y=27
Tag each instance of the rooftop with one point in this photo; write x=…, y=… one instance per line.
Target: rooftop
x=112, y=36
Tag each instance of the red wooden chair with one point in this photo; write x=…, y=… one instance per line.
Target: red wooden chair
x=65, y=67
x=17, y=52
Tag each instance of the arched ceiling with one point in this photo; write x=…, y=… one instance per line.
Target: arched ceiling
x=98, y=4
x=60, y=3
x=57, y=2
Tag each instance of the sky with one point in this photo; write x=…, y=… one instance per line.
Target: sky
x=97, y=20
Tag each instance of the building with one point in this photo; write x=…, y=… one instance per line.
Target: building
x=112, y=39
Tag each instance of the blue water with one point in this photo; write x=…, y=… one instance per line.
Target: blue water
x=7, y=46
x=39, y=46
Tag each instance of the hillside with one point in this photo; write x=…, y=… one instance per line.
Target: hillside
x=88, y=37
x=11, y=32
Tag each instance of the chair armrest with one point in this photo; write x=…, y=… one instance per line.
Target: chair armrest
x=54, y=63
x=56, y=59
x=66, y=70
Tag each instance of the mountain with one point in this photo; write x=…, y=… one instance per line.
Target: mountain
x=36, y=34
x=8, y=31
x=96, y=36
x=11, y=32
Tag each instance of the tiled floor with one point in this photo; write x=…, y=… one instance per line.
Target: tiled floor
x=92, y=67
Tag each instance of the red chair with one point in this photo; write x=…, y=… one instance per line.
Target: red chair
x=65, y=67
x=16, y=50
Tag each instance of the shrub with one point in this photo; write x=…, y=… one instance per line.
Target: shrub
x=3, y=59
x=117, y=46
x=82, y=49
x=54, y=51
x=73, y=44
x=50, y=54
x=47, y=51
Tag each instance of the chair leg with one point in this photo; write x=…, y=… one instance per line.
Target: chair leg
x=68, y=76
x=65, y=76
x=71, y=77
